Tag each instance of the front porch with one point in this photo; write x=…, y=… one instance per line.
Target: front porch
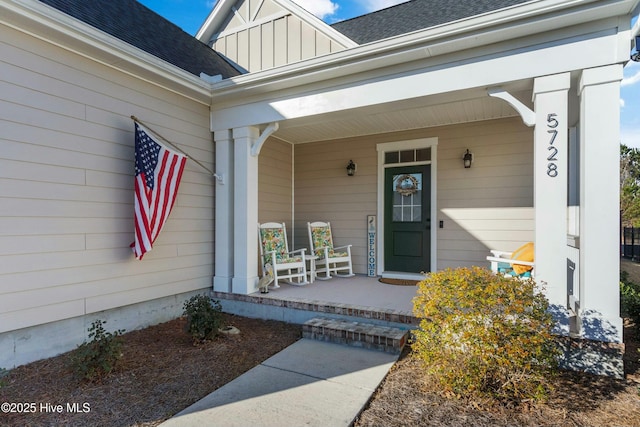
x=359, y=299
x=544, y=144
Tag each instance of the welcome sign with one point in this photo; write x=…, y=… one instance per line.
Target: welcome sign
x=371, y=245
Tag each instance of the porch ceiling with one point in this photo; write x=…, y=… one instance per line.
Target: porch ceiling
x=446, y=109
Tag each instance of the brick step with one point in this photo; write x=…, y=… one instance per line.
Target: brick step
x=357, y=334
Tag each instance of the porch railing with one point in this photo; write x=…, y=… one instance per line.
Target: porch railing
x=630, y=243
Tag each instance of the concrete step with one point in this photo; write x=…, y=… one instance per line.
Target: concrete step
x=357, y=334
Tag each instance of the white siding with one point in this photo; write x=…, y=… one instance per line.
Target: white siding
x=66, y=188
x=275, y=187
x=324, y=192
x=262, y=35
x=489, y=206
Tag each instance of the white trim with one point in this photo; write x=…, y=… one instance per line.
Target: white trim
x=257, y=144
x=238, y=15
x=255, y=13
x=525, y=20
x=528, y=116
x=412, y=144
x=316, y=23
x=223, y=7
x=251, y=24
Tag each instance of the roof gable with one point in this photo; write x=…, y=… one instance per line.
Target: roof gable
x=261, y=34
x=138, y=26
x=225, y=11
x=415, y=15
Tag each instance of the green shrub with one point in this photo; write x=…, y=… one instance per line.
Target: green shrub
x=629, y=298
x=485, y=334
x=95, y=359
x=3, y=374
x=204, y=317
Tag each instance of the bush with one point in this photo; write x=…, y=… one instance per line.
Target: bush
x=96, y=359
x=485, y=334
x=204, y=317
x=629, y=298
x=3, y=374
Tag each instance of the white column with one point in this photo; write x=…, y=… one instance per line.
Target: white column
x=599, y=314
x=245, y=226
x=550, y=164
x=224, y=212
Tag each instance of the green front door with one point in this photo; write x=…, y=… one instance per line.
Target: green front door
x=407, y=219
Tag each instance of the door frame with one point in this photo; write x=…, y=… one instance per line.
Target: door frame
x=412, y=144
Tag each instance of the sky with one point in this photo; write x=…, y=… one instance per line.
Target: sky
x=190, y=14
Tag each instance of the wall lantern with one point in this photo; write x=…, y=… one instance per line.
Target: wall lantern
x=467, y=159
x=351, y=168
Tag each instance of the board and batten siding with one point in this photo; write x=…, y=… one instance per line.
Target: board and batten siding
x=260, y=34
x=66, y=189
x=489, y=206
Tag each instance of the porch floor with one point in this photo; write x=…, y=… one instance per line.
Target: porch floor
x=360, y=290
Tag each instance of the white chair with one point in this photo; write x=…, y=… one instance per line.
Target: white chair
x=274, y=250
x=331, y=260
x=519, y=263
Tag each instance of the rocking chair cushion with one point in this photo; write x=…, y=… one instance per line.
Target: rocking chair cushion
x=334, y=254
x=273, y=240
x=322, y=239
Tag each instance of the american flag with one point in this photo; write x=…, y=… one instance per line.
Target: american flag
x=158, y=173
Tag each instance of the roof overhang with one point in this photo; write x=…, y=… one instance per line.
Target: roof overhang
x=469, y=35
x=49, y=24
x=520, y=33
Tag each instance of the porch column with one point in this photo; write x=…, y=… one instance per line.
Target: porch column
x=599, y=314
x=245, y=211
x=224, y=212
x=550, y=95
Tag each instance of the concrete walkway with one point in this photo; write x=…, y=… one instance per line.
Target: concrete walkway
x=310, y=383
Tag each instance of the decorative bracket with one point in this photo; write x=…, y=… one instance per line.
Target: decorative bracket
x=269, y=130
x=528, y=116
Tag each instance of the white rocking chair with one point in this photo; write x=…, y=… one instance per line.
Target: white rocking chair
x=331, y=259
x=519, y=263
x=274, y=250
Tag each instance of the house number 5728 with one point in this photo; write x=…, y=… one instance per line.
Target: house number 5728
x=552, y=166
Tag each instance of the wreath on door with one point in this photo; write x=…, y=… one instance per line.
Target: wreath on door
x=407, y=185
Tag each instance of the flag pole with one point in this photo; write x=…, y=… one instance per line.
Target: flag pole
x=215, y=175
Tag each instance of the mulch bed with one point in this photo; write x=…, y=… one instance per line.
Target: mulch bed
x=406, y=398
x=161, y=373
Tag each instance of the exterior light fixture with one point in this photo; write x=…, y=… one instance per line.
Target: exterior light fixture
x=467, y=159
x=351, y=168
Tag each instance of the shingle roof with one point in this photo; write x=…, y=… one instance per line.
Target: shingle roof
x=137, y=25
x=415, y=15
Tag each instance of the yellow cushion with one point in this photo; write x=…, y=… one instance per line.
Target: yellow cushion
x=523, y=253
